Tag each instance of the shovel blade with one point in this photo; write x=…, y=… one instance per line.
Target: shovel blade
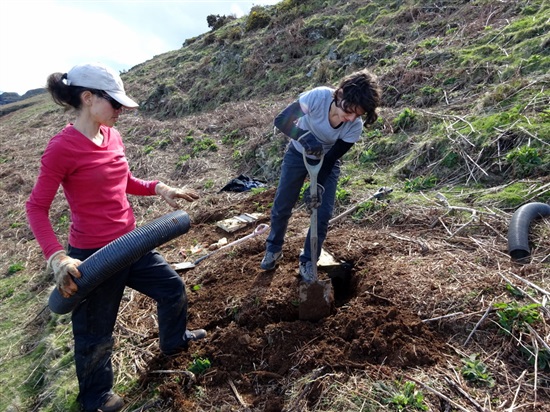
x=184, y=266
x=316, y=300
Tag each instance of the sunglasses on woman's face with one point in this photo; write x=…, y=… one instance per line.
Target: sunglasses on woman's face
x=116, y=105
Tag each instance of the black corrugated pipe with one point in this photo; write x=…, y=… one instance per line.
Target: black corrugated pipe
x=119, y=254
x=518, y=231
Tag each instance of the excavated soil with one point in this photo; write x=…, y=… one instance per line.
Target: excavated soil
x=398, y=271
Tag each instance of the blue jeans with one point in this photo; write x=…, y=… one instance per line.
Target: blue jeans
x=93, y=320
x=293, y=175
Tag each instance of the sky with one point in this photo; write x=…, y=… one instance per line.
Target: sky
x=40, y=37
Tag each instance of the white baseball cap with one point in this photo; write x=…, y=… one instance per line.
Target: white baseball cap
x=100, y=77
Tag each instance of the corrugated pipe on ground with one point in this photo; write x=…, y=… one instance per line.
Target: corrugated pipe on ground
x=518, y=231
x=119, y=254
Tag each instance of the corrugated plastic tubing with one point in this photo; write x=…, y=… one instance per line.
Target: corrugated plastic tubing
x=518, y=231
x=119, y=254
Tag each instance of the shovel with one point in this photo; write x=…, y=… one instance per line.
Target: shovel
x=316, y=298
x=261, y=228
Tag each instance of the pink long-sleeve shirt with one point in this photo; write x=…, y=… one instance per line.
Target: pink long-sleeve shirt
x=95, y=181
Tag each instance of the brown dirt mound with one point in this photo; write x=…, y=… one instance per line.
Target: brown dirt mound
x=257, y=343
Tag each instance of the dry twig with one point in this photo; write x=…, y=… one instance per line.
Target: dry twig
x=307, y=387
x=443, y=317
x=237, y=394
x=479, y=323
x=541, y=290
x=439, y=394
x=519, y=380
x=465, y=394
x=424, y=246
x=441, y=197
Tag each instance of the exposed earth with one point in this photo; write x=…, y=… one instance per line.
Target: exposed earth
x=405, y=268
x=422, y=278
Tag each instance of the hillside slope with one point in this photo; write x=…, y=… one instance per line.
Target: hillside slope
x=434, y=311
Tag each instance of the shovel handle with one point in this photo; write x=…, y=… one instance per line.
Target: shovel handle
x=261, y=228
x=313, y=171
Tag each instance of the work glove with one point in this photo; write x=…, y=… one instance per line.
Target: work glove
x=313, y=203
x=64, y=271
x=169, y=194
x=311, y=145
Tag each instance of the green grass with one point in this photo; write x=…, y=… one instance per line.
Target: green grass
x=508, y=197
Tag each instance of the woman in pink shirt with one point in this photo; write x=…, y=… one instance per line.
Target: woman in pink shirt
x=87, y=159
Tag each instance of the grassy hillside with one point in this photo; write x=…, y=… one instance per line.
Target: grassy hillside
x=466, y=117
x=465, y=83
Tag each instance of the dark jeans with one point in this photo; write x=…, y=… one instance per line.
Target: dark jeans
x=293, y=174
x=94, y=318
